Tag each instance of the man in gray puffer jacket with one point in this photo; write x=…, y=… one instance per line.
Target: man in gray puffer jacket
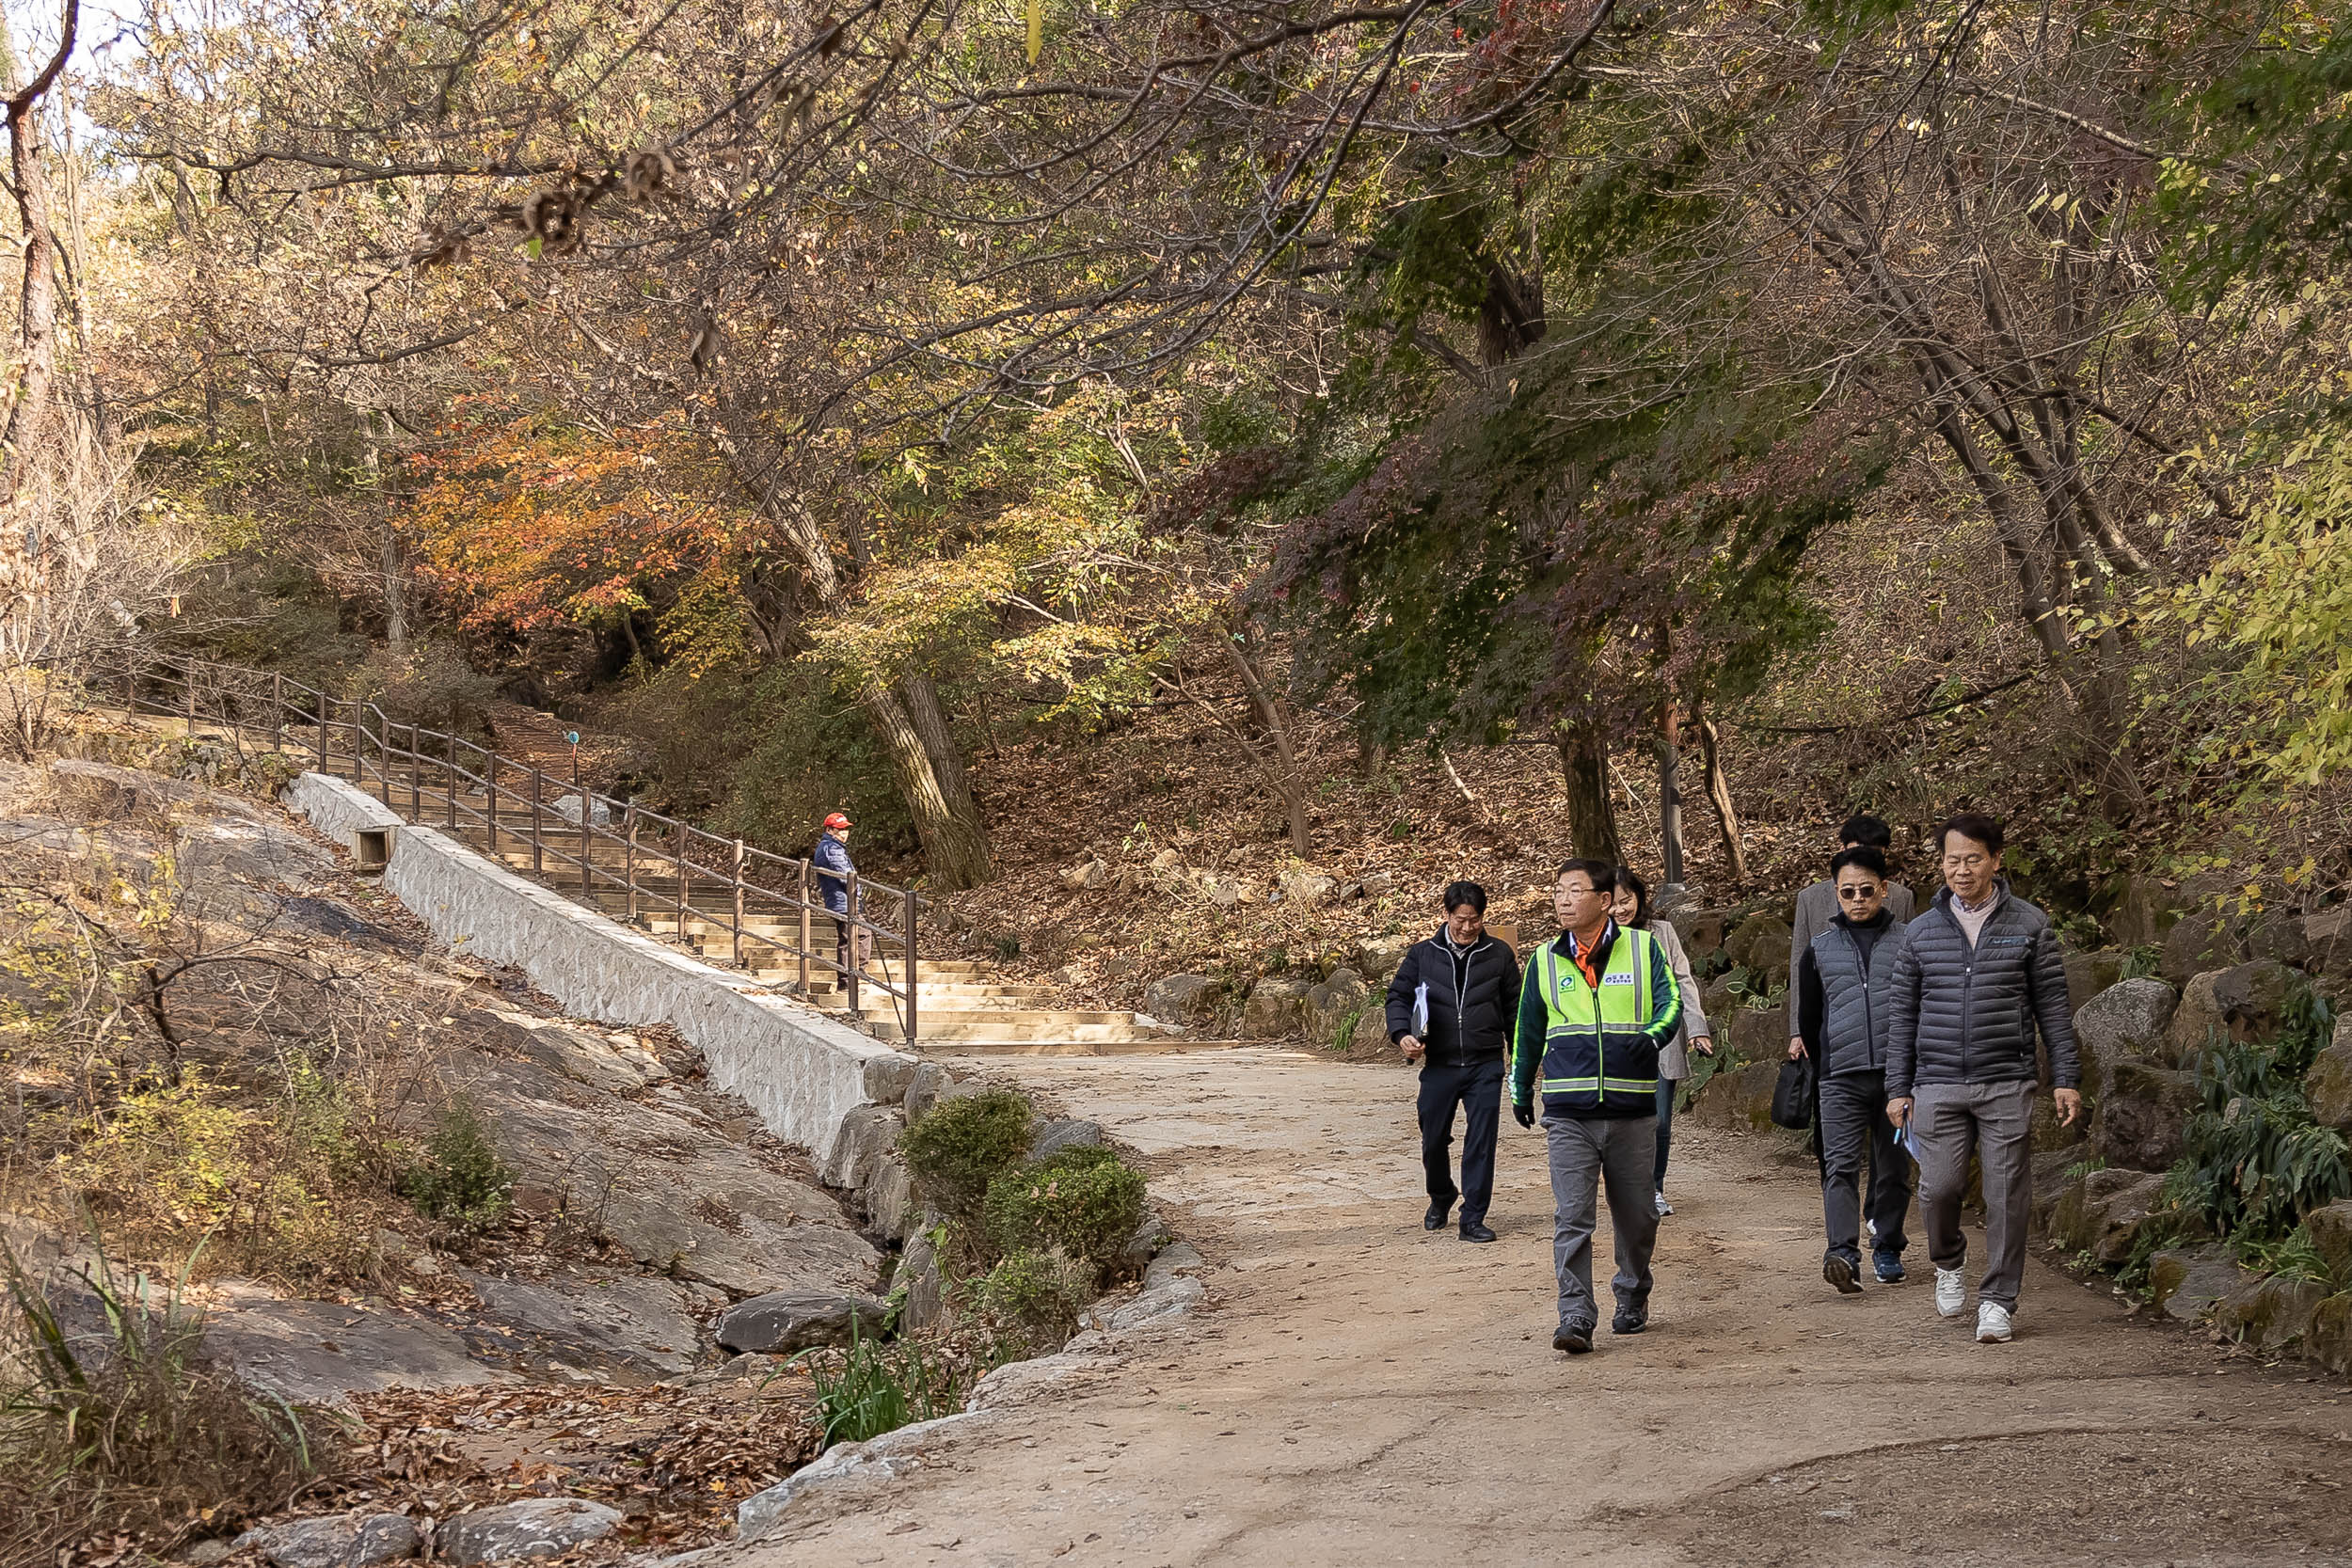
x=1977, y=974
x=1843, y=990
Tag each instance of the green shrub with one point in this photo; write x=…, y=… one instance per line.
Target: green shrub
x=1087, y=1202
x=962, y=1145
x=461, y=1181
x=1033, y=1295
x=2256, y=1159
x=873, y=1387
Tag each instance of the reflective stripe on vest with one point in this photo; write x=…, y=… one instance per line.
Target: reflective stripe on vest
x=1587, y=1030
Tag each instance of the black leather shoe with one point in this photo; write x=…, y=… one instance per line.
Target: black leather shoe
x=1630, y=1320
x=1472, y=1231
x=1840, y=1274
x=1434, y=1219
x=1575, y=1338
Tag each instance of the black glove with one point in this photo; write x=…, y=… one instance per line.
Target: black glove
x=1524, y=1114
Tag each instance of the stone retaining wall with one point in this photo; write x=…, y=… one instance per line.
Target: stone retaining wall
x=803, y=1073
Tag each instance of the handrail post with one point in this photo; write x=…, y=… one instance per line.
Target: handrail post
x=490, y=798
x=804, y=930
x=629, y=874
x=187, y=679
x=416, y=777
x=277, y=710
x=586, y=843
x=383, y=756
x=322, y=712
x=738, y=903
x=538, y=832
x=913, y=985
x=130, y=683
x=681, y=884
x=451, y=792
x=850, y=956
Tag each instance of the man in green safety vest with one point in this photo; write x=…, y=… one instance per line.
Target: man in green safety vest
x=1597, y=1005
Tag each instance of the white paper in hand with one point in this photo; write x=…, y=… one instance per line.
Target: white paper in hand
x=1420, y=1010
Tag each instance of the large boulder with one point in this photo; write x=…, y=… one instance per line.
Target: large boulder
x=2202, y=940
x=1702, y=930
x=2090, y=975
x=335, y=1541
x=674, y=1193
x=2331, y=1228
x=2327, y=938
x=2327, y=1337
x=1740, y=1098
x=1760, y=1034
x=2185, y=1283
x=2048, y=1133
x=599, y=1319
x=1378, y=959
x=2244, y=1002
x=2142, y=1117
x=322, y=1353
x=2269, y=1314
x=783, y=1322
x=2101, y=1213
x=2127, y=1019
x=1273, y=1009
x=1187, y=999
x=1761, y=943
x=2143, y=909
x=2328, y=1083
x=535, y=1527
x=1332, y=1009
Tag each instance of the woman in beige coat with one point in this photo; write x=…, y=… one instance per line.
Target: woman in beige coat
x=1632, y=908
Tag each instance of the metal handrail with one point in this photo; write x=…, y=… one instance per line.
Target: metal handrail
x=243, y=701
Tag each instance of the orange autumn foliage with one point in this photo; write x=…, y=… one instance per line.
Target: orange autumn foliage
x=530, y=522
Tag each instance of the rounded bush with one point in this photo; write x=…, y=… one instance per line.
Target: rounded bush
x=1033, y=1294
x=963, y=1144
x=1086, y=1202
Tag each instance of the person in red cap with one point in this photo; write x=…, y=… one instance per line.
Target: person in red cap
x=833, y=868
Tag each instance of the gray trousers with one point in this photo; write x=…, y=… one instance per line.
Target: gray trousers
x=1853, y=1124
x=1995, y=1121
x=1618, y=1152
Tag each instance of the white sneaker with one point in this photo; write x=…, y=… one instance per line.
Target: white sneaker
x=1951, y=1292
x=1664, y=1208
x=1870, y=1231
x=1992, y=1323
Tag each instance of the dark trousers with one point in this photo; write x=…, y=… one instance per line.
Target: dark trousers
x=1666, y=1088
x=1478, y=1089
x=1854, y=1123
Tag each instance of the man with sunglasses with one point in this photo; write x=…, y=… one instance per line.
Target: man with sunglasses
x=1843, y=984
x=1816, y=906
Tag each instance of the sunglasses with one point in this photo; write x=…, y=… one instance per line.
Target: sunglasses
x=1855, y=895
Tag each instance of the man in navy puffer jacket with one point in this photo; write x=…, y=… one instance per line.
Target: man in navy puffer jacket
x=1978, y=975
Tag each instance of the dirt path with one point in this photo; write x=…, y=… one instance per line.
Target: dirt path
x=1362, y=1392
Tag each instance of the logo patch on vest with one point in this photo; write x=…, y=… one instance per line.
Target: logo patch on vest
x=1616, y=979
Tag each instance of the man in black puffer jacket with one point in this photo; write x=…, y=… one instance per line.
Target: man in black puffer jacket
x=1453, y=1007
x=1977, y=974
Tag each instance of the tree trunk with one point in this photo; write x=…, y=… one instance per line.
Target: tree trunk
x=1592, y=815
x=948, y=845
x=37, y=306
x=1719, y=795
x=1275, y=715
x=923, y=752
x=958, y=852
x=396, y=594
x=1669, y=797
